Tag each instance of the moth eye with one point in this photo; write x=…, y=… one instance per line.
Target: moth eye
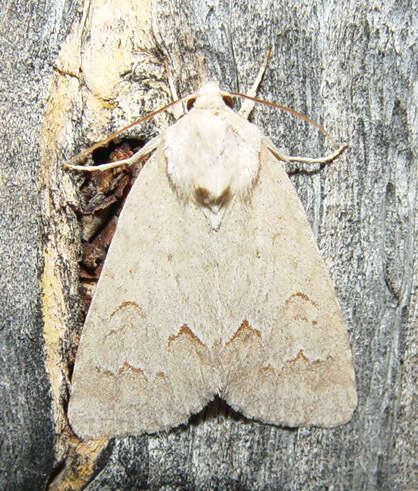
x=190, y=103
x=228, y=101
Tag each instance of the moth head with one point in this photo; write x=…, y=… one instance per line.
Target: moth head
x=210, y=97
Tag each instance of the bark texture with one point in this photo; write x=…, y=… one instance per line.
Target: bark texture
x=349, y=64
x=30, y=36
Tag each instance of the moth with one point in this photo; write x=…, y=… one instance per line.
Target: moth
x=213, y=285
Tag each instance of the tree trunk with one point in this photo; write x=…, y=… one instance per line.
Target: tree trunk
x=349, y=65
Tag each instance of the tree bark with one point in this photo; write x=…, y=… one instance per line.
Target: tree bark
x=351, y=66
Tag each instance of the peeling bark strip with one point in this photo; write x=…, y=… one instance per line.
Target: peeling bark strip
x=212, y=314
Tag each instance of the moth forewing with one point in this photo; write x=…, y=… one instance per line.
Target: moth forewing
x=213, y=285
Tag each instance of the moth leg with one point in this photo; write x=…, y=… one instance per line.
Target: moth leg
x=306, y=160
x=247, y=105
x=133, y=159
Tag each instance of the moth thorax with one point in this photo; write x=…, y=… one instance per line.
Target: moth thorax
x=214, y=202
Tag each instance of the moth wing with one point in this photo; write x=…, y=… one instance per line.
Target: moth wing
x=287, y=359
x=143, y=364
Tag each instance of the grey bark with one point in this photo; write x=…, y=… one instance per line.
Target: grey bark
x=30, y=36
x=351, y=65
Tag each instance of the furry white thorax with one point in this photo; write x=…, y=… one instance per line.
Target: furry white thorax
x=212, y=155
